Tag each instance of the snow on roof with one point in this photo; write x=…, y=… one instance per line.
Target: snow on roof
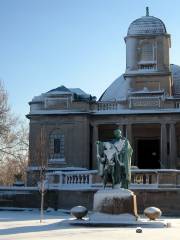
x=116, y=91
x=56, y=112
x=59, y=89
x=78, y=91
x=62, y=90
x=39, y=98
x=137, y=111
x=145, y=90
x=61, y=169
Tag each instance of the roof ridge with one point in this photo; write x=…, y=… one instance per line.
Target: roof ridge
x=61, y=88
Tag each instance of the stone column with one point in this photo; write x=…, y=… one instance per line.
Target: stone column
x=129, y=136
x=94, y=148
x=129, y=133
x=163, y=146
x=172, y=145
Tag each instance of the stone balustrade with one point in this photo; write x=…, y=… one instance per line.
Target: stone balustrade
x=141, y=178
x=144, y=178
x=111, y=105
x=157, y=178
x=76, y=179
x=79, y=179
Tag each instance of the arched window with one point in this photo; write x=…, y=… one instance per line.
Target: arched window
x=56, y=146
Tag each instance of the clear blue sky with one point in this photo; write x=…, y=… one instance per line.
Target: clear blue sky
x=76, y=43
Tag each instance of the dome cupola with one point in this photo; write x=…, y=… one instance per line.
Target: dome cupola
x=147, y=25
x=147, y=55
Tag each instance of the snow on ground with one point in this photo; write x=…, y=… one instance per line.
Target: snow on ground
x=18, y=225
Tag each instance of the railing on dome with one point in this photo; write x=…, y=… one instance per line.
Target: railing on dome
x=141, y=178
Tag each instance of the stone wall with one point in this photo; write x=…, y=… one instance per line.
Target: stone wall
x=165, y=199
x=20, y=198
x=75, y=130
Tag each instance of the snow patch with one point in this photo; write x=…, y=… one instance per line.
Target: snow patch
x=103, y=217
x=109, y=195
x=121, y=192
x=78, y=209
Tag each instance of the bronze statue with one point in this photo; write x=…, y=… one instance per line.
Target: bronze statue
x=114, y=160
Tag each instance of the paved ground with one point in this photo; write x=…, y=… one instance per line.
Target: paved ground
x=26, y=225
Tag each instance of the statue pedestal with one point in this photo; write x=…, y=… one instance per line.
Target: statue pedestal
x=114, y=205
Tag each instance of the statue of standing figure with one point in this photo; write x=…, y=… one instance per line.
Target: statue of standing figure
x=114, y=160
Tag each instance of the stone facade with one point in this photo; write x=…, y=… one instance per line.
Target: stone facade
x=144, y=102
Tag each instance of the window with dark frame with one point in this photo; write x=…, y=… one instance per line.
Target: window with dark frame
x=57, y=145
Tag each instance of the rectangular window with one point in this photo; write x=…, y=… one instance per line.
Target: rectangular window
x=57, y=144
x=147, y=52
x=56, y=148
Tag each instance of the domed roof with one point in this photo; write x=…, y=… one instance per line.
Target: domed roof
x=175, y=69
x=147, y=25
x=117, y=91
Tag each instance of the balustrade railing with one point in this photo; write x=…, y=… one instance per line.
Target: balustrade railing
x=81, y=178
x=140, y=178
x=111, y=105
x=70, y=179
x=144, y=178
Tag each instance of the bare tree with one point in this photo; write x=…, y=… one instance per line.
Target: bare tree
x=4, y=109
x=13, y=143
x=43, y=169
x=14, y=157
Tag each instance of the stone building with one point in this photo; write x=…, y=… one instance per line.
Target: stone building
x=144, y=102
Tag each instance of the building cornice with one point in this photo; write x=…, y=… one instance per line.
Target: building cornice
x=55, y=113
x=141, y=74
x=138, y=111
x=150, y=36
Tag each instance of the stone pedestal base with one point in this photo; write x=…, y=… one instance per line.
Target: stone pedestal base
x=116, y=207
x=112, y=218
x=115, y=204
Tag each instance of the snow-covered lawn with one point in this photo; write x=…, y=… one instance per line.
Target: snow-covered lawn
x=26, y=225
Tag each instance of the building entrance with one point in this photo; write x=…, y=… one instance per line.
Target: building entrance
x=148, y=153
